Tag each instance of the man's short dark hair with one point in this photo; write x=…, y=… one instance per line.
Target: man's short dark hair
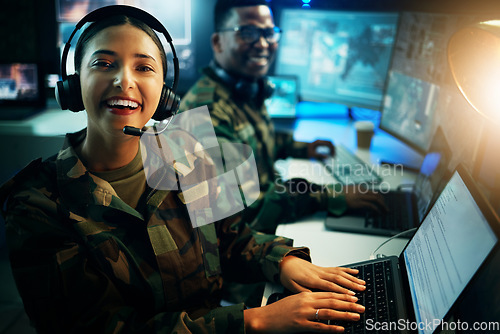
x=222, y=11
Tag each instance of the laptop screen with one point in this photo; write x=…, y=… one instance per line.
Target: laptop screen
x=446, y=251
x=433, y=171
x=424, y=189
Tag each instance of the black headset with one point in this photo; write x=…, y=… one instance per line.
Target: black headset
x=242, y=88
x=68, y=91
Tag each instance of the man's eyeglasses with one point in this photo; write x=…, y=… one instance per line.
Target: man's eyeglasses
x=251, y=34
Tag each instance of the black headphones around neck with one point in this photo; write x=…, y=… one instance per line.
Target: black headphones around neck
x=68, y=91
x=244, y=89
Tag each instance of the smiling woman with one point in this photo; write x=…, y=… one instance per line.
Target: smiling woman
x=121, y=77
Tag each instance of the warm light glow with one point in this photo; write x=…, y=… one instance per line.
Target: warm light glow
x=493, y=23
x=474, y=57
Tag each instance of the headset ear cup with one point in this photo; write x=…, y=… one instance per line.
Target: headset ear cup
x=168, y=105
x=76, y=101
x=61, y=96
x=175, y=101
x=69, y=93
x=161, y=112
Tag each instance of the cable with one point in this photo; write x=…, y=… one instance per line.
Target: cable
x=372, y=255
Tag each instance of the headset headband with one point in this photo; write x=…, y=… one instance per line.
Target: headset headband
x=134, y=12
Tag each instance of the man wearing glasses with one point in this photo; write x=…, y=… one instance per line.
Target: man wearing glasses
x=234, y=88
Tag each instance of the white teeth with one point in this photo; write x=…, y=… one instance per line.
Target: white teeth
x=258, y=58
x=123, y=103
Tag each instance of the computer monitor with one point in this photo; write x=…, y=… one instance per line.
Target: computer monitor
x=339, y=56
x=19, y=83
x=419, y=80
x=174, y=15
x=22, y=91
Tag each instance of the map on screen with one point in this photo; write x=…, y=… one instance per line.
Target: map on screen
x=339, y=57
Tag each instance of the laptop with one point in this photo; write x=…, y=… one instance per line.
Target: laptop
x=417, y=290
x=406, y=208
x=21, y=90
x=456, y=237
x=283, y=101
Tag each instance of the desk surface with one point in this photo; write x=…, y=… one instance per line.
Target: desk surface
x=384, y=147
x=331, y=248
x=52, y=122
x=49, y=123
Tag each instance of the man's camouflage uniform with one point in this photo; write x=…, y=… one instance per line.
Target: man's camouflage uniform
x=86, y=262
x=241, y=121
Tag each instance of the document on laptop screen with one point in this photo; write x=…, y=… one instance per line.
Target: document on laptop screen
x=446, y=251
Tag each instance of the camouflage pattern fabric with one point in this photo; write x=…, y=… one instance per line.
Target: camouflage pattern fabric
x=85, y=262
x=238, y=121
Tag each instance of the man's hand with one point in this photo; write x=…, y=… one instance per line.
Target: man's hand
x=312, y=149
x=358, y=198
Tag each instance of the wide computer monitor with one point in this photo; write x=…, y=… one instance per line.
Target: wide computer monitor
x=339, y=56
x=174, y=15
x=419, y=79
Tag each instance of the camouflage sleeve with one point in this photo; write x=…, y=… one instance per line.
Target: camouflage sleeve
x=288, y=201
x=286, y=146
x=64, y=291
x=249, y=256
x=336, y=204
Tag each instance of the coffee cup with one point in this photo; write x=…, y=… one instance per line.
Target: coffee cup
x=365, y=131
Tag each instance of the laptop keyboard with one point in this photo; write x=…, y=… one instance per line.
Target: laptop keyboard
x=378, y=298
x=399, y=216
x=349, y=169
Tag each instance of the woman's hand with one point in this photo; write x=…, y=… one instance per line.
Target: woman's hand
x=298, y=275
x=303, y=312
